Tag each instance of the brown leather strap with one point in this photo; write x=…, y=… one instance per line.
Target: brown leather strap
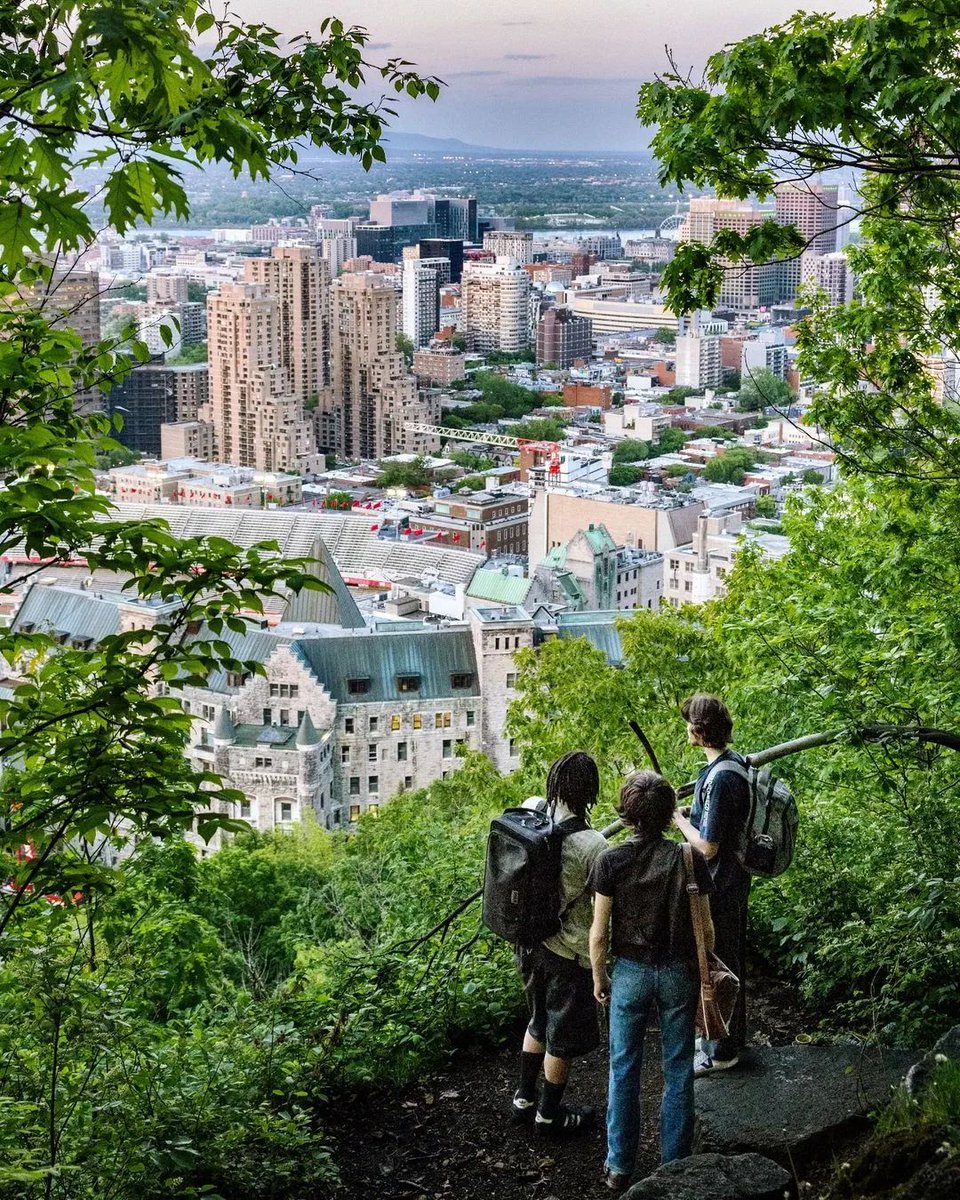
x=693, y=894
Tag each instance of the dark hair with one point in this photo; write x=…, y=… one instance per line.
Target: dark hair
x=710, y=719
x=574, y=781
x=647, y=801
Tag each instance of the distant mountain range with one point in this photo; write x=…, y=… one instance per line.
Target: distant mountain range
x=418, y=143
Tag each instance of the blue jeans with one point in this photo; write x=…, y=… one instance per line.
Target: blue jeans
x=635, y=987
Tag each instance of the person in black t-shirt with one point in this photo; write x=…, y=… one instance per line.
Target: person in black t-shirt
x=715, y=825
x=640, y=893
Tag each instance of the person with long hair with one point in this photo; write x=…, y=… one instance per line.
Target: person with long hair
x=564, y=1019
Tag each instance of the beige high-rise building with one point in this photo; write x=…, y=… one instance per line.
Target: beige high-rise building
x=813, y=210
x=70, y=299
x=495, y=298
x=510, y=243
x=258, y=416
x=745, y=286
x=167, y=287
x=371, y=397
x=299, y=278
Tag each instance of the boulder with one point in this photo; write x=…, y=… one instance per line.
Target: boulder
x=794, y=1103
x=715, y=1177
x=921, y=1072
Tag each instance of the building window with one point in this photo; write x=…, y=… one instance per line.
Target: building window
x=401, y=751
x=373, y=810
x=274, y=689
x=358, y=686
x=471, y=717
x=236, y=679
x=461, y=679
x=408, y=683
x=348, y=725
x=447, y=748
x=395, y=722
x=284, y=716
x=354, y=785
x=268, y=716
x=372, y=752
x=344, y=754
x=447, y=720
x=513, y=747
x=354, y=812
x=286, y=810
x=263, y=762
x=245, y=809
x=407, y=782
x=688, y=585
x=512, y=679
x=417, y=721
x=374, y=724
x=438, y=720
x=373, y=783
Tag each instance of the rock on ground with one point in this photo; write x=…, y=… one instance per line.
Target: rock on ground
x=920, y=1074
x=794, y=1103
x=715, y=1177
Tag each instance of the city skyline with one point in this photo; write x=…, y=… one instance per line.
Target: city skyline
x=521, y=75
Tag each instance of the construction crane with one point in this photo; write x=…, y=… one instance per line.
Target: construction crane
x=550, y=450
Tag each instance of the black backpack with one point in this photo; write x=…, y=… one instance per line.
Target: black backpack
x=522, y=899
x=768, y=839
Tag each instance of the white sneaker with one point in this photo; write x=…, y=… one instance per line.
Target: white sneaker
x=703, y=1064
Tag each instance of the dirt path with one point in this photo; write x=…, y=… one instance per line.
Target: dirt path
x=449, y=1137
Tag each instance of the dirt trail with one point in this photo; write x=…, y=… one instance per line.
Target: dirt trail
x=449, y=1136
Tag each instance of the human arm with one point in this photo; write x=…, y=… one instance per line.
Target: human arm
x=692, y=834
x=599, y=946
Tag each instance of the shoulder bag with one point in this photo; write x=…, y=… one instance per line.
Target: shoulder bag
x=719, y=986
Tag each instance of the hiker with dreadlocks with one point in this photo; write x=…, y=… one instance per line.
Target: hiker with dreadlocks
x=557, y=981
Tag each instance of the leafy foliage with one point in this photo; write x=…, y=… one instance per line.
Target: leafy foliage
x=763, y=389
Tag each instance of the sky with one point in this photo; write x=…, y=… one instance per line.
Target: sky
x=538, y=74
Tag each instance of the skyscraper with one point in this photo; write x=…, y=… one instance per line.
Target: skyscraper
x=563, y=337
x=299, y=278
x=510, y=243
x=371, y=396
x=421, y=282
x=745, y=285
x=813, y=210
x=496, y=305
x=258, y=417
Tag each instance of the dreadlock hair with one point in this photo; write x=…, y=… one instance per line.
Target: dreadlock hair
x=710, y=719
x=575, y=781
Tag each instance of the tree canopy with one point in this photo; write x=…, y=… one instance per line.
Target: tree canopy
x=763, y=389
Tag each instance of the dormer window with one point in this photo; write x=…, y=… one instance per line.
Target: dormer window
x=359, y=685
x=461, y=679
x=408, y=683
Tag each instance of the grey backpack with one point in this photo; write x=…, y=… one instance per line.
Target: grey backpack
x=770, y=834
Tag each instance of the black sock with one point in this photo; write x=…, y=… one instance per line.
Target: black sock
x=550, y=1099
x=530, y=1065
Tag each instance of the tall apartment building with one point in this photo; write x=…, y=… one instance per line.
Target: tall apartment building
x=830, y=273
x=496, y=305
x=602, y=246
x=813, y=210
x=257, y=415
x=421, y=281
x=336, y=240
x=563, y=337
x=510, y=243
x=298, y=278
x=166, y=287
x=371, y=397
x=70, y=299
x=745, y=286
x=699, y=364
x=153, y=395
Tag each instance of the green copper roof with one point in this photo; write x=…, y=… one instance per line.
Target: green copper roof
x=499, y=587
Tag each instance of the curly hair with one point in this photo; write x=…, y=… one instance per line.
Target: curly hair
x=710, y=719
x=575, y=781
x=647, y=801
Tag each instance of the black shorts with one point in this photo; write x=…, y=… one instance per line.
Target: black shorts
x=563, y=1012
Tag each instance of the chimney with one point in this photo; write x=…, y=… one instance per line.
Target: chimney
x=703, y=522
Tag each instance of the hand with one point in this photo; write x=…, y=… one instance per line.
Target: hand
x=684, y=811
x=601, y=989
x=679, y=816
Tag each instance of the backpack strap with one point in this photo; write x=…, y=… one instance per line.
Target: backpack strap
x=693, y=895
